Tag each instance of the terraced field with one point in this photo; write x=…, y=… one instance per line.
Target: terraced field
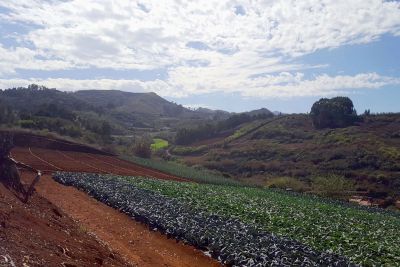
x=249, y=226
x=48, y=160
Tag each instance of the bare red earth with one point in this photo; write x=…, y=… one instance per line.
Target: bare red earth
x=57, y=160
x=40, y=234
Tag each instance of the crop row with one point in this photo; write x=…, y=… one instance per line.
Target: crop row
x=194, y=174
x=365, y=236
x=227, y=239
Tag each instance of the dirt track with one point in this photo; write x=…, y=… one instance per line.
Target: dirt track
x=134, y=241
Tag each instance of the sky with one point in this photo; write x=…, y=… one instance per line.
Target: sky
x=234, y=55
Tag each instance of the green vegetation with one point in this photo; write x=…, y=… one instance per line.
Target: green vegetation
x=225, y=238
x=333, y=113
x=197, y=175
x=142, y=148
x=332, y=186
x=38, y=108
x=96, y=116
x=189, y=150
x=366, y=237
x=158, y=144
x=243, y=130
x=288, y=183
x=7, y=115
x=366, y=155
x=187, y=136
x=253, y=147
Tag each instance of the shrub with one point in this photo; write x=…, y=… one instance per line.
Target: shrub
x=331, y=185
x=6, y=144
x=188, y=150
x=142, y=149
x=288, y=183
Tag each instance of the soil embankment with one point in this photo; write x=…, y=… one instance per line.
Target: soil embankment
x=40, y=234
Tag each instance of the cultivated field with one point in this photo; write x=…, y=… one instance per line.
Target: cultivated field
x=56, y=160
x=236, y=225
x=250, y=226
x=127, y=241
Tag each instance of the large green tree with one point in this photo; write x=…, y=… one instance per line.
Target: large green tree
x=333, y=113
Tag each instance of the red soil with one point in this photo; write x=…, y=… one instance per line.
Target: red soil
x=131, y=239
x=40, y=234
x=55, y=160
x=128, y=238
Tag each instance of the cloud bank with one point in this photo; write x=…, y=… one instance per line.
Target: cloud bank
x=249, y=47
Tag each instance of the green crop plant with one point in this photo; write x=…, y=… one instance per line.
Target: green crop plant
x=366, y=237
x=194, y=174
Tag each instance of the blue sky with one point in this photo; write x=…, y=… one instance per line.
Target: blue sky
x=234, y=55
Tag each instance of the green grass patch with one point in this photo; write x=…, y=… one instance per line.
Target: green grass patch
x=243, y=131
x=196, y=175
x=158, y=144
x=366, y=237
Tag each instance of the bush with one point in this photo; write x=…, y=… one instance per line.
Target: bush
x=6, y=144
x=188, y=150
x=288, y=183
x=142, y=149
x=332, y=186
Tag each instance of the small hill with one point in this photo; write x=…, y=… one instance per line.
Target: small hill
x=367, y=154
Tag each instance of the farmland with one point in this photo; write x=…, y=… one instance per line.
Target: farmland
x=158, y=144
x=68, y=210
x=180, y=170
x=211, y=217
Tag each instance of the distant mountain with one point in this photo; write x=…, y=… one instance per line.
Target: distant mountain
x=261, y=111
x=94, y=111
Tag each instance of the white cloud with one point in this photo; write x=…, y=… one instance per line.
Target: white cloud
x=282, y=85
x=158, y=86
x=289, y=85
x=266, y=38
x=197, y=106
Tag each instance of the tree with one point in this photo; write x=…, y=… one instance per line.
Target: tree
x=367, y=112
x=106, y=129
x=333, y=113
x=142, y=148
x=6, y=113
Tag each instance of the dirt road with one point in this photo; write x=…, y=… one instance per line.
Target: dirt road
x=131, y=239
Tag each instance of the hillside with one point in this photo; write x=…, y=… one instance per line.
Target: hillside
x=140, y=103
x=94, y=116
x=264, y=151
